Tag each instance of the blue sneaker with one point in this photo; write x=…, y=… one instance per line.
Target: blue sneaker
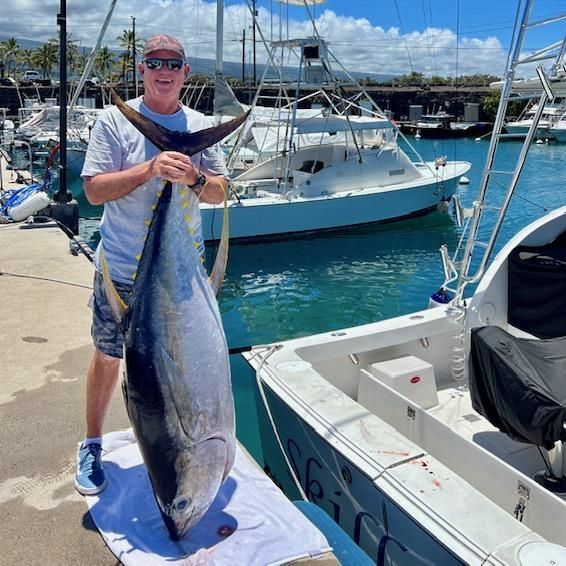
x=90, y=478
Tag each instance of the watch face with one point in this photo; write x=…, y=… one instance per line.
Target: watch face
x=201, y=181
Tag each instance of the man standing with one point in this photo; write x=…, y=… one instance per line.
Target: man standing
x=125, y=172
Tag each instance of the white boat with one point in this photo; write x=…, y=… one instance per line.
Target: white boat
x=558, y=129
x=41, y=128
x=436, y=437
x=551, y=115
x=329, y=186
x=326, y=167
x=6, y=127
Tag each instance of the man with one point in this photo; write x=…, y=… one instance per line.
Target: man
x=125, y=172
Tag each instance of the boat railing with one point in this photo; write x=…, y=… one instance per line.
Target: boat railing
x=479, y=239
x=306, y=51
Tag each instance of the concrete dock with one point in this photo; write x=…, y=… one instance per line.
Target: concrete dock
x=46, y=347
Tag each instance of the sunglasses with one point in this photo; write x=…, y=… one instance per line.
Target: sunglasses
x=154, y=64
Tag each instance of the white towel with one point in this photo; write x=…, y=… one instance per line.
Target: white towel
x=266, y=527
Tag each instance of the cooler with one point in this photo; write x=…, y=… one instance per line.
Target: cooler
x=410, y=376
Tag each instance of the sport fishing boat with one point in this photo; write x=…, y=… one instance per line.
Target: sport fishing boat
x=551, y=115
x=442, y=125
x=310, y=158
x=437, y=437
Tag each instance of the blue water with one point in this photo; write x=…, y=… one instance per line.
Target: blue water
x=280, y=290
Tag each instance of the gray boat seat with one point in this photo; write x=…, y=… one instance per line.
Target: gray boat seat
x=519, y=386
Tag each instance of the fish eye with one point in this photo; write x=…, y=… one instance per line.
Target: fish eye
x=182, y=504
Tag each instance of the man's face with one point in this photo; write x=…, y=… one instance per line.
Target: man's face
x=164, y=82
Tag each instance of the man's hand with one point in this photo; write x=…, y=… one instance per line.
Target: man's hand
x=175, y=167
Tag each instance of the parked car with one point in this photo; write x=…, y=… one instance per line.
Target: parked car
x=32, y=76
x=7, y=81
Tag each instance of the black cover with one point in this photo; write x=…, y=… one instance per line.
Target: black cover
x=537, y=289
x=519, y=385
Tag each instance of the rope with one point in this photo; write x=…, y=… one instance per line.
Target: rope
x=296, y=481
x=404, y=37
x=50, y=279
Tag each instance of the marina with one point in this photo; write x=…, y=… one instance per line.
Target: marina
x=371, y=346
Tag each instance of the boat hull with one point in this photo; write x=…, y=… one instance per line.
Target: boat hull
x=446, y=133
x=271, y=217
x=369, y=516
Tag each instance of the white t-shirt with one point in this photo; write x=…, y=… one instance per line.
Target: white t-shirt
x=114, y=145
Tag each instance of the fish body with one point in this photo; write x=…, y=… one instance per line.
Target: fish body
x=177, y=376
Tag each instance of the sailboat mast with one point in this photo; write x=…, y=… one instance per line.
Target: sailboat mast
x=219, y=36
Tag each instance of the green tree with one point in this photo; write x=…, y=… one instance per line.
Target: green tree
x=477, y=80
x=24, y=58
x=490, y=103
x=125, y=63
x=8, y=51
x=13, y=47
x=126, y=41
x=46, y=57
x=73, y=56
x=104, y=62
x=412, y=79
x=439, y=81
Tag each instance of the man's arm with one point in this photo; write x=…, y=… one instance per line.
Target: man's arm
x=105, y=187
x=169, y=165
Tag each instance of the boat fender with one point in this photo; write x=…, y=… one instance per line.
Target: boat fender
x=440, y=298
x=34, y=203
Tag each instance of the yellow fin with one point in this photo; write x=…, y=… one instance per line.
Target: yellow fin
x=219, y=268
x=117, y=304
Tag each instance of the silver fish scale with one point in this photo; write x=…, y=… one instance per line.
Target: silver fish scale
x=177, y=382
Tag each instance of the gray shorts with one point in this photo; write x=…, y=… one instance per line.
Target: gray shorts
x=105, y=333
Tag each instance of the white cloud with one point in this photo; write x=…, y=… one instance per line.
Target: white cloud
x=356, y=42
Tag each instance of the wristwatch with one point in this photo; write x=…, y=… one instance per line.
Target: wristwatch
x=200, y=182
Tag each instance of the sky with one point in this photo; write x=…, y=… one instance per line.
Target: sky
x=394, y=37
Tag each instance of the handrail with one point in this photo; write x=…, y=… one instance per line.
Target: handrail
x=458, y=269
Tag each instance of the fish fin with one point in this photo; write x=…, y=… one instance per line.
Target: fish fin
x=169, y=140
x=221, y=261
x=117, y=304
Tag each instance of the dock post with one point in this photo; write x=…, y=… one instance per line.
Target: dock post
x=66, y=212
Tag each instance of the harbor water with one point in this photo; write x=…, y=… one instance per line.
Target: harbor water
x=318, y=283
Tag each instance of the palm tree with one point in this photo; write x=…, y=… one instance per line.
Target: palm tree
x=104, y=62
x=8, y=50
x=24, y=58
x=73, y=56
x=126, y=41
x=45, y=57
x=13, y=47
x=125, y=63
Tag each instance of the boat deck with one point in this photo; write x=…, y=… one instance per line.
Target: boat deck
x=455, y=410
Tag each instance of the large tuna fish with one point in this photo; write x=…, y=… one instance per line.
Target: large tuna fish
x=177, y=376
